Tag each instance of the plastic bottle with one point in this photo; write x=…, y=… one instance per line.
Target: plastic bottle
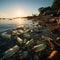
x=38, y=48
x=5, y=35
x=10, y=52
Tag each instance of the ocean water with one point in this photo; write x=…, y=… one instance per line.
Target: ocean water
x=7, y=24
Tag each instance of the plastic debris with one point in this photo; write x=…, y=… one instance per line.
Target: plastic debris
x=10, y=52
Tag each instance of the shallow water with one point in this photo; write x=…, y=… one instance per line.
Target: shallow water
x=14, y=23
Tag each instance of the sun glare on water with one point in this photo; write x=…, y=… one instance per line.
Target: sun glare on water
x=19, y=21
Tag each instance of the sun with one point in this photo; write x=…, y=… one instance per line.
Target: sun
x=19, y=12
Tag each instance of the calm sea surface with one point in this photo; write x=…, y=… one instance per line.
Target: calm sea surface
x=7, y=24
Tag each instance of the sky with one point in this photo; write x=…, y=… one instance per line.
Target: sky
x=21, y=8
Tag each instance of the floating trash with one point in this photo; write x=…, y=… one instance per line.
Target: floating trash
x=25, y=40
x=15, y=32
x=27, y=35
x=6, y=36
x=46, y=38
x=29, y=40
x=29, y=43
x=19, y=40
x=39, y=48
x=10, y=52
x=21, y=31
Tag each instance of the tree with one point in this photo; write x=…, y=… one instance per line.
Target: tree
x=56, y=5
x=44, y=9
x=41, y=10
